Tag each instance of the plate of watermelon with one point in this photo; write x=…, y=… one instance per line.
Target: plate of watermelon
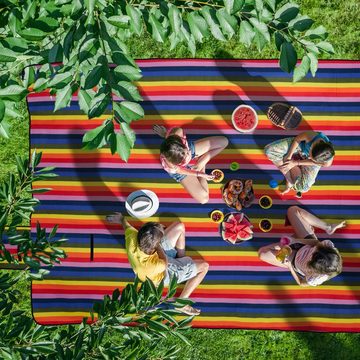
x=236, y=228
x=244, y=118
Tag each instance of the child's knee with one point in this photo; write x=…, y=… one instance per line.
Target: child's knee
x=292, y=210
x=203, y=197
x=225, y=141
x=180, y=226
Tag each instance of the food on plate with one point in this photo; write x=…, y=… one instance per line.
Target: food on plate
x=265, y=225
x=218, y=175
x=217, y=216
x=244, y=118
x=236, y=228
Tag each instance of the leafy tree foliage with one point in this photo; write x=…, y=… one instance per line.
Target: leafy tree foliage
x=143, y=306
x=80, y=45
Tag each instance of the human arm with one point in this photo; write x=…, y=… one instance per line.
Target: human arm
x=299, y=280
x=304, y=136
x=119, y=218
x=184, y=171
x=161, y=253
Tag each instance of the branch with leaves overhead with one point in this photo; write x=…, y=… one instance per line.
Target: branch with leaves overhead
x=77, y=41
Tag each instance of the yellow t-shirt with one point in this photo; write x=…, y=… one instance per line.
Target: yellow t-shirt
x=145, y=266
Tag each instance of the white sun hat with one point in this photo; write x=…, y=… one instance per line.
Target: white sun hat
x=142, y=203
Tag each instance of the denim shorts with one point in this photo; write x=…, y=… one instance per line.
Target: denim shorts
x=180, y=177
x=183, y=268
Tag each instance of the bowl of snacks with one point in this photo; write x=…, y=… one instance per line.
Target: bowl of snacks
x=238, y=193
x=236, y=228
x=265, y=225
x=217, y=216
x=218, y=175
x=265, y=202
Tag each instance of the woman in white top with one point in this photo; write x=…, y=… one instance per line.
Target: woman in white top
x=311, y=261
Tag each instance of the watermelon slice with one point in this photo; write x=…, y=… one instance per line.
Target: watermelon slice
x=244, y=118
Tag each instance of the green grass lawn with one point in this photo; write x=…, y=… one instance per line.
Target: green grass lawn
x=341, y=18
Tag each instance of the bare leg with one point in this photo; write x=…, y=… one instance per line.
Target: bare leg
x=192, y=284
x=268, y=254
x=304, y=222
x=175, y=233
x=210, y=146
x=197, y=187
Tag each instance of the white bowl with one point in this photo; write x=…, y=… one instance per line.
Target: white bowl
x=256, y=119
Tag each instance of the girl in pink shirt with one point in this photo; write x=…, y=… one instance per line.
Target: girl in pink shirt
x=177, y=153
x=311, y=261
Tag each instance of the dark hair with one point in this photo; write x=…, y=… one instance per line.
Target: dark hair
x=326, y=260
x=173, y=149
x=149, y=237
x=322, y=151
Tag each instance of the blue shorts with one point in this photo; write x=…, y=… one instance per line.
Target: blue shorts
x=180, y=177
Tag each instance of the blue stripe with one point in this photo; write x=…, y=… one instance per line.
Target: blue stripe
x=233, y=73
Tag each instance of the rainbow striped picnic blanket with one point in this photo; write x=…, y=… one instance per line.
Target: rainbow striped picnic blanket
x=239, y=291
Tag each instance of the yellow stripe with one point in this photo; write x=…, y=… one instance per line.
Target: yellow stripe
x=60, y=314
x=169, y=117
x=245, y=84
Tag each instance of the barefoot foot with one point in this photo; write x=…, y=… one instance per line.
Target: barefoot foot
x=189, y=310
x=333, y=227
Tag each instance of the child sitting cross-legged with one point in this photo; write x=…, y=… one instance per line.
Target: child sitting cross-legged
x=158, y=254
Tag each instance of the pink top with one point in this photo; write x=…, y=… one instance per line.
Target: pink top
x=303, y=256
x=171, y=168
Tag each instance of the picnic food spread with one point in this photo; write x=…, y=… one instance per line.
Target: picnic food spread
x=218, y=175
x=265, y=202
x=238, y=193
x=265, y=225
x=217, y=216
x=244, y=118
x=236, y=228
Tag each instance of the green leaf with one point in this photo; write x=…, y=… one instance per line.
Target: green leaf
x=30, y=11
x=84, y=99
x=175, y=18
x=13, y=92
x=129, y=133
x=59, y=80
x=287, y=12
x=16, y=44
x=56, y=53
x=2, y=109
x=98, y=105
x=94, y=76
x=46, y=24
x=301, y=70
x=7, y=55
x=233, y=6
x=247, y=33
x=301, y=23
x=120, y=21
x=122, y=146
x=4, y=129
x=227, y=22
x=262, y=35
x=279, y=39
x=318, y=33
x=326, y=46
x=32, y=34
x=29, y=76
x=127, y=91
x=157, y=30
x=94, y=136
x=136, y=24
x=129, y=111
x=209, y=15
x=128, y=72
x=14, y=21
x=288, y=57
x=198, y=26
x=272, y=4
x=313, y=63
x=63, y=97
